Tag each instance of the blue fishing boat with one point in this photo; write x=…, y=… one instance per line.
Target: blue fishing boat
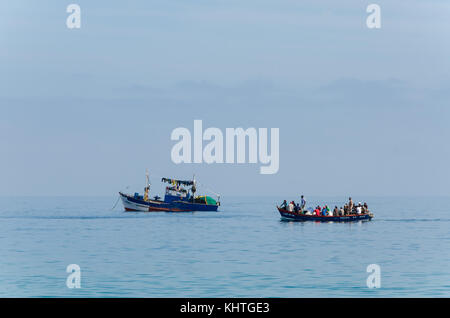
x=179, y=197
x=294, y=216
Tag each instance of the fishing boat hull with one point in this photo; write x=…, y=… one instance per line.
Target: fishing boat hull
x=292, y=216
x=131, y=203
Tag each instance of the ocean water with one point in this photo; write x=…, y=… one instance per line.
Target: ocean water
x=244, y=250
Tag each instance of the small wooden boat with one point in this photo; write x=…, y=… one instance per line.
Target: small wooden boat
x=293, y=216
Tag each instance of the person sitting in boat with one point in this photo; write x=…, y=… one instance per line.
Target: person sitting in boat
x=283, y=205
x=301, y=210
x=330, y=212
x=366, y=208
x=336, y=211
x=341, y=211
x=291, y=206
x=359, y=208
x=317, y=211
x=297, y=208
x=325, y=210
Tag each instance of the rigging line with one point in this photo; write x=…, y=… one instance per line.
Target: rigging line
x=115, y=203
x=206, y=188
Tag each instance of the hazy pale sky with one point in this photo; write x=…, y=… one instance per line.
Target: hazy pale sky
x=360, y=111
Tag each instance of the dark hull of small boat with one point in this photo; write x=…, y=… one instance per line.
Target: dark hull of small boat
x=286, y=215
x=132, y=204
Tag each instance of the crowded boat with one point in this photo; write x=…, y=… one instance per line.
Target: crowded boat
x=348, y=211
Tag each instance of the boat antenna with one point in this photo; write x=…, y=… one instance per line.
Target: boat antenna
x=147, y=178
x=147, y=186
x=194, y=185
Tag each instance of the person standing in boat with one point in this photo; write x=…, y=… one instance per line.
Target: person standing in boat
x=350, y=205
x=302, y=203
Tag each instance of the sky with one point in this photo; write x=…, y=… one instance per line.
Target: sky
x=360, y=111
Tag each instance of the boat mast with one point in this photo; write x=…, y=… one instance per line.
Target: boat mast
x=194, y=187
x=147, y=185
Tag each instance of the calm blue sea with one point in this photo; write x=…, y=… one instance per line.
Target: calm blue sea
x=242, y=251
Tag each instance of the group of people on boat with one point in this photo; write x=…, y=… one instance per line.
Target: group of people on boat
x=348, y=208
